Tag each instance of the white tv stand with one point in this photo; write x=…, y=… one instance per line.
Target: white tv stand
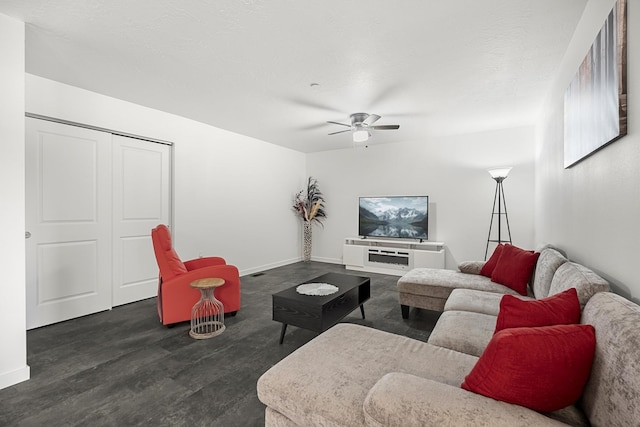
x=388, y=256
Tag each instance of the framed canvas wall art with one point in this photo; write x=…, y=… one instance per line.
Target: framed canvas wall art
x=595, y=103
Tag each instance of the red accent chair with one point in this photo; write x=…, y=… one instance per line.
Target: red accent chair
x=176, y=297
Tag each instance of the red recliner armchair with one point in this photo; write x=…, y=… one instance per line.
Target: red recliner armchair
x=176, y=297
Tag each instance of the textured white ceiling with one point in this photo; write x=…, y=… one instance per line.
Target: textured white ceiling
x=433, y=67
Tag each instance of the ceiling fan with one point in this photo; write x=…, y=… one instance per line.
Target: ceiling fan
x=361, y=125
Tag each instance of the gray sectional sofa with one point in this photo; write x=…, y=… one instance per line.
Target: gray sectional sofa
x=353, y=375
x=430, y=288
x=469, y=318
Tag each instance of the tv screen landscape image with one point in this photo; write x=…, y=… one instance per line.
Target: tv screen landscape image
x=402, y=217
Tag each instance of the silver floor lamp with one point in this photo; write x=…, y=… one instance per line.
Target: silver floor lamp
x=499, y=208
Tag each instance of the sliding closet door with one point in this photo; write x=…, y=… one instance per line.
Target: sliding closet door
x=68, y=218
x=141, y=200
x=92, y=199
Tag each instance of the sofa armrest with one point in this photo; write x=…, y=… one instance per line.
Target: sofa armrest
x=471, y=267
x=399, y=399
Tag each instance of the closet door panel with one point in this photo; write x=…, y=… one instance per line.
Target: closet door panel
x=68, y=217
x=141, y=200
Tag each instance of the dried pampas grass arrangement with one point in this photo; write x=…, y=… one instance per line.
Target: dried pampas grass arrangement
x=309, y=203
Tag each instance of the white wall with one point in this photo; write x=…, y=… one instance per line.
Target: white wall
x=452, y=171
x=232, y=193
x=13, y=356
x=592, y=210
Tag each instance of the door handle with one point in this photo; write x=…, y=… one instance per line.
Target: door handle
x=27, y=235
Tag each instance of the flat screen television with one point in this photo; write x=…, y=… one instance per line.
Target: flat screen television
x=400, y=217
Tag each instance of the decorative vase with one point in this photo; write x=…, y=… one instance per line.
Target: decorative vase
x=306, y=243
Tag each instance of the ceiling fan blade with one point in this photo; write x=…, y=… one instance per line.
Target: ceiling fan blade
x=337, y=123
x=316, y=126
x=371, y=119
x=313, y=105
x=340, y=131
x=385, y=127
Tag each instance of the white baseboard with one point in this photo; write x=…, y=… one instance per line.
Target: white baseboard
x=8, y=379
x=327, y=260
x=252, y=270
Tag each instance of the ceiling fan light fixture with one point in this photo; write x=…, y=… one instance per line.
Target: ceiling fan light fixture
x=360, y=135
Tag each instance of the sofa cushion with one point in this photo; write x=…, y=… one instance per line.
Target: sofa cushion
x=558, y=309
x=463, y=331
x=273, y=418
x=439, y=283
x=326, y=381
x=471, y=267
x=476, y=301
x=400, y=399
x=548, y=262
x=514, y=268
x=572, y=275
x=490, y=265
x=543, y=368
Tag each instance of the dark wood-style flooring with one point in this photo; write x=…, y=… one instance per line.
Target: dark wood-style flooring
x=123, y=368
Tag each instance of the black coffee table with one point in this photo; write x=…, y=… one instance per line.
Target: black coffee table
x=319, y=313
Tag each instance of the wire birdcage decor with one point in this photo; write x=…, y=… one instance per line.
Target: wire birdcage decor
x=207, y=315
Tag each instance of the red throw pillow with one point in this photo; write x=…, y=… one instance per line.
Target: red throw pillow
x=488, y=266
x=543, y=368
x=514, y=268
x=559, y=309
